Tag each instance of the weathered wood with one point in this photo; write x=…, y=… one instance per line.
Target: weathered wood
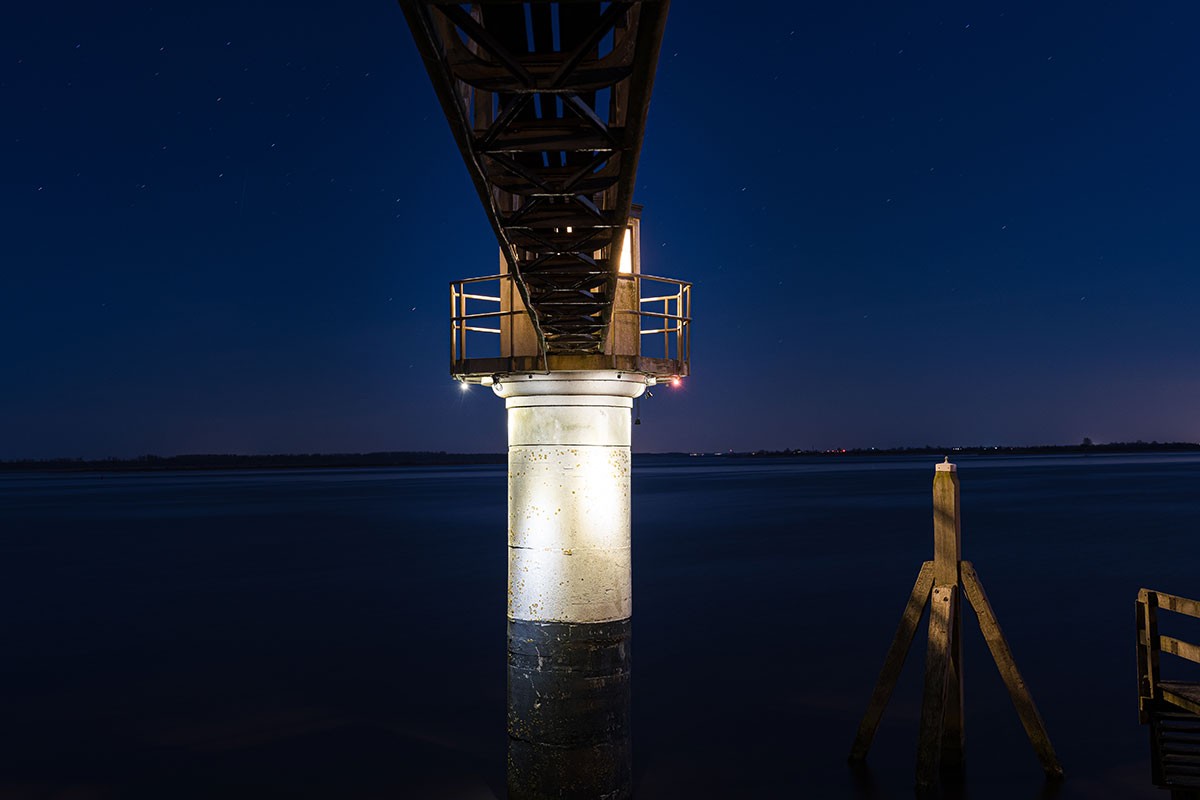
x=937, y=676
x=1145, y=687
x=1181, y=694
x=1148, y=663
x=941, y=735
x=1035, y=729
x=1177, y=647
x=947, y=553
x=1180, y=605
x=954, y=737
x=1175, y=744
x=893, y=662
x=947, y=524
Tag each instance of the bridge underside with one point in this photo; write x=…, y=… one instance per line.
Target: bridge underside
x=547, y=102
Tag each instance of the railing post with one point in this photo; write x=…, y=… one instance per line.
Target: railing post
x=666, y=329
x=638, y=278
x=1148, y=652
x=678, y=320
x=462, y=314
x=687, y=358
x=453, y=325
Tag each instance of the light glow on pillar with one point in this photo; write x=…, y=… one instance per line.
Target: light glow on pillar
x=626, y=262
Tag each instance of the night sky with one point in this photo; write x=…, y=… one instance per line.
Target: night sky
x=229, y=227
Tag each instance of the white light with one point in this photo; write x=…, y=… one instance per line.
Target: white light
x=627, y=252
x=464, y=386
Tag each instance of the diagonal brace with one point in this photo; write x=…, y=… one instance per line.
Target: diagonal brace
x=893, y=662
x=1022, y=700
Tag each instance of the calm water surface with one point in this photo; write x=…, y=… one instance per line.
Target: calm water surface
x=341, y=633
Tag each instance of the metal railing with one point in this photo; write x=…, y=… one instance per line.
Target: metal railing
x=675, y=318
x=463, y=320
x=669, y=313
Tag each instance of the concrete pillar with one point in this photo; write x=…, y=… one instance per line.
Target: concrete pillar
x=569, y=582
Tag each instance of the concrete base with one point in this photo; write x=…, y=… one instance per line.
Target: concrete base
x=569, y=711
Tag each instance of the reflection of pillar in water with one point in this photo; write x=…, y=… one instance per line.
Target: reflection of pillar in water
x=569, y=594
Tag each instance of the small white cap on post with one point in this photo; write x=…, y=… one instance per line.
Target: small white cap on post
x=946, y=466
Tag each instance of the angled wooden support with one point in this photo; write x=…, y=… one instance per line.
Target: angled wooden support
x=1022, y=700
x=942, y=584
x=893, y=662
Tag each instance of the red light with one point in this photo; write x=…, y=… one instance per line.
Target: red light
x=676, y=382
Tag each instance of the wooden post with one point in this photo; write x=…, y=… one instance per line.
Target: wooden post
x=1147, y=651
x=941, y=584
x=938, y=675
x=947, y=553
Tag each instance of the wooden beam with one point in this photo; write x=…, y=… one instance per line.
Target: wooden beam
x=1177, y=647
x=942, y=604
x=893, y=662
x=1180, y=605
x=1022, y=700
x=947, y=553
x=1182, y=696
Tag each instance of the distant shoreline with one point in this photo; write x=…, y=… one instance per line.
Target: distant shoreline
x=153, y=463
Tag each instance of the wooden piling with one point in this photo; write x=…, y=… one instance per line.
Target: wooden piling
x=938, y=674
x=941, y=584
x=947, y=554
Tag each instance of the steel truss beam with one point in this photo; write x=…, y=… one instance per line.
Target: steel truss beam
x=547, y=102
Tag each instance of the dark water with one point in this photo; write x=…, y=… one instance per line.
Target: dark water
x=342, y=633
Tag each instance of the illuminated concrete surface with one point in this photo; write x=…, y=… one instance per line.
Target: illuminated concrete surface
x=568, y=495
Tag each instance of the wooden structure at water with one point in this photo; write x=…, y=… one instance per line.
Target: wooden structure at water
x=1170, y=708
x=941, y=585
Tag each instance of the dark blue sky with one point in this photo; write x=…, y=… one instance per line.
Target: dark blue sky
x=229, y=227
